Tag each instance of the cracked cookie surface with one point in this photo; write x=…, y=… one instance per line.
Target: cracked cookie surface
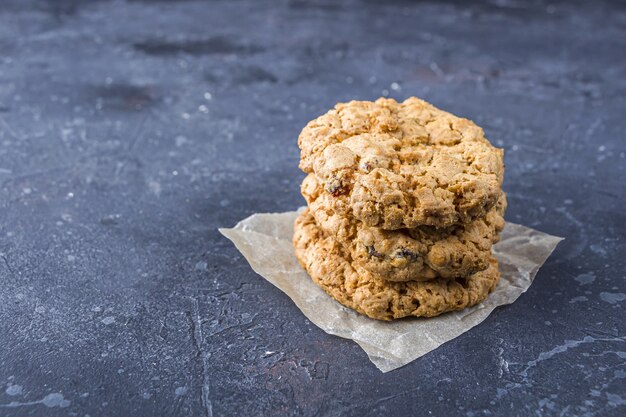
x=331, y=267
x=418, y=254
x=403, y=165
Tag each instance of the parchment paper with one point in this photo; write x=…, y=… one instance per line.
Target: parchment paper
x=265, y=241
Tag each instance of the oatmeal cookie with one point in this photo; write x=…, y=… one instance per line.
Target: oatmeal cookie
x=331, y=267
x=419, y=254
x=403, y=165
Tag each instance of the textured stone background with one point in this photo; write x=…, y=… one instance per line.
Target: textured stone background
x=130, y=131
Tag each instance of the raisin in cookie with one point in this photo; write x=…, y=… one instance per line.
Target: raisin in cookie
x=418, y=254
x=332, y=269
x=403, y=165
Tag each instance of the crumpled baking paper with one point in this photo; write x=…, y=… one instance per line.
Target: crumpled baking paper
x=265, y=241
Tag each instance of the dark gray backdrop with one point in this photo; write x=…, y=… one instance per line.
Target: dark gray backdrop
x=130, y=131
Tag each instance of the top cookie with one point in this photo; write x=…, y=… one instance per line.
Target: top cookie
x=403, y=165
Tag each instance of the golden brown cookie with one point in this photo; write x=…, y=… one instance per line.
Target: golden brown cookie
x=331, y=268
x=419, y=254
x=403, y=165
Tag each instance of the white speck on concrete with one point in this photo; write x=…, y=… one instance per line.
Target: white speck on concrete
x=181, y=140
x=155, y=188
x=201, y=266
x=586, y=278
x=55, y=400
x=14, y=390
x=181, y=391
x=108, y=320
x=613, y=297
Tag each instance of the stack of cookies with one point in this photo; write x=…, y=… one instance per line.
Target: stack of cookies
x=404, y=205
